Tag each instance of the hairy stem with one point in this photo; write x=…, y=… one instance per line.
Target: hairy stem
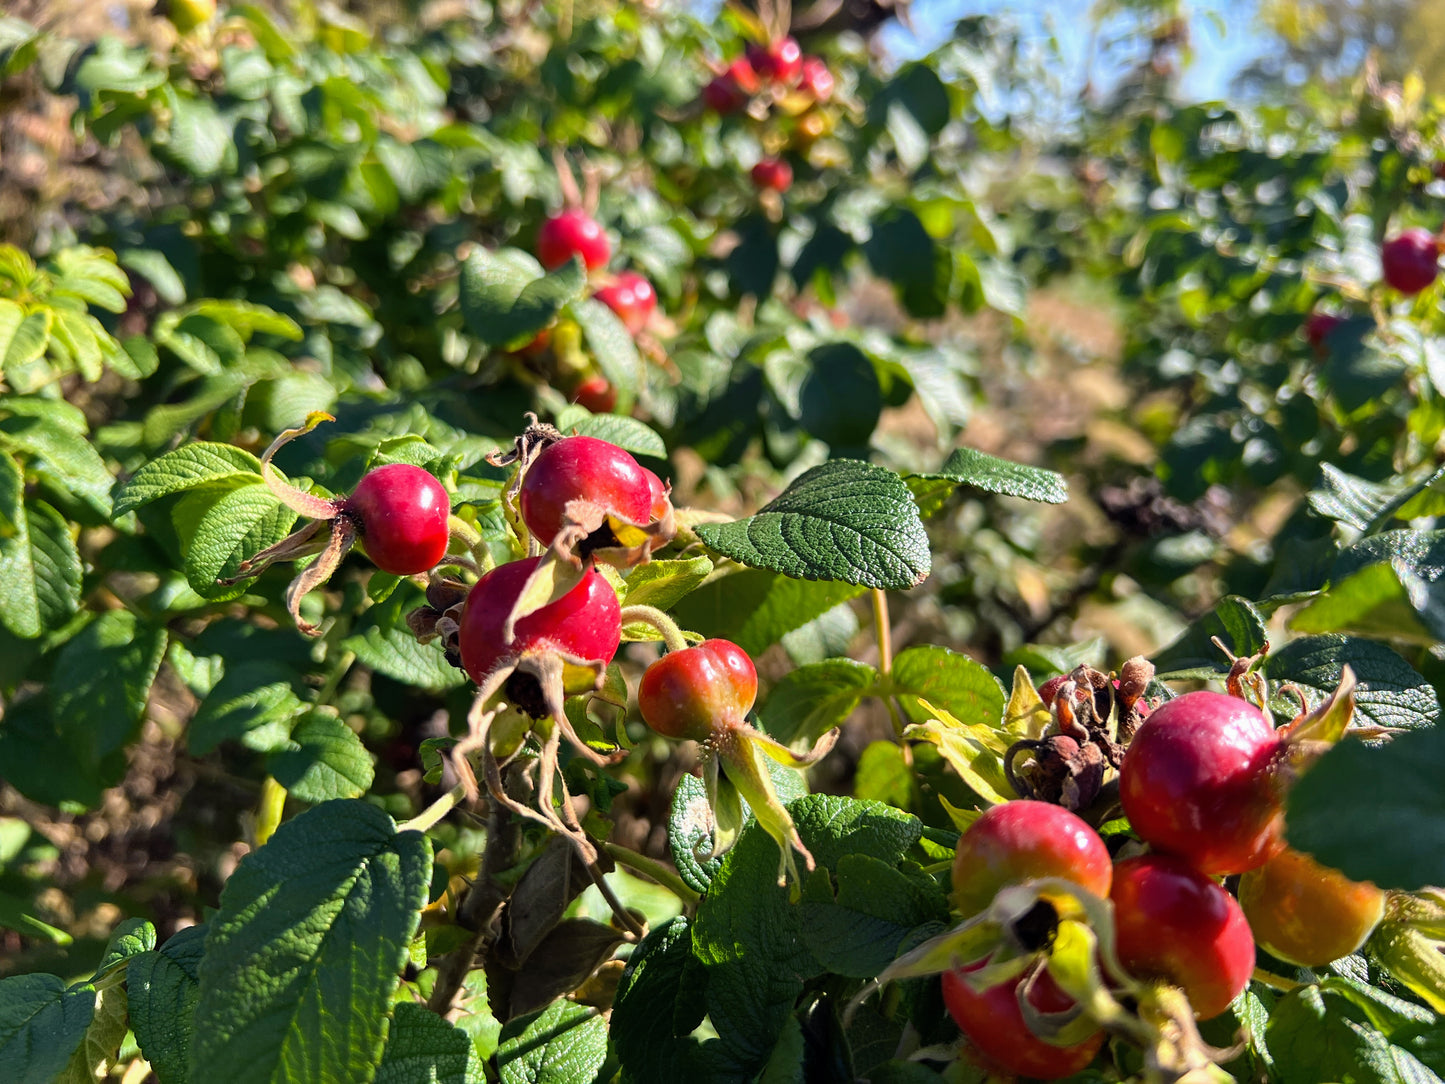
x=650, y=615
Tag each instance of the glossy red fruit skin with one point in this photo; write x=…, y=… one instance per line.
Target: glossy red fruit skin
x=1200, y=780
x=632, y=298
x=585, y=622
x=1173, y=923
x=573, y=232
x=817, y=79
x=690, y=695
x=401, y=514
x=1021, y=840
x=779, y=62
x=1410, y=260
x=1306, y=913
x=1002, y=1042
x=596, y=394
x=773, y=173
x=583, y=468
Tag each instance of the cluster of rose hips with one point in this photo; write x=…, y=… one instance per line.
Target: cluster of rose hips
x=574, y=232
x=777, y=72
x=1201, y=782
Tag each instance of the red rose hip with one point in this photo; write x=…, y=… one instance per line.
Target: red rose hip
x=691, y=695
x=596, y=394
x=994, y=1023
x=573, y=233
x=1201, y=779
x=1410, y=260
x=400, y=512
x=583, y=469
x=817, y=80
x=1174, y=924
x=585, y=623
x=632, y=298
x=1022, y=840
x=773, y=173
x=780, y=61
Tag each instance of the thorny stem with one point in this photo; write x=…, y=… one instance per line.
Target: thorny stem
x=428, y=817
x=652, y=869
x=270, y=810
x=649, y=615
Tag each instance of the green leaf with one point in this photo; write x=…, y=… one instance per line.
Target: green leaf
x=254, y=703
x=663, y=584
x=131, y=938
x=247, y=319
x=54, y=567
x=506, y=298
x=221, y=526
x=199, y=137
x=755, y=609
x=659, y=1004
x=75, y=332
x=1314, y=1034
x=188, y=466
x=840, y=399
x=41, y=1025
x=1377, y=813
x=970, y=467
x=164, y=986
x=59, y=455
x=856, y=919
x=304, y=954
x=1387, y=600
x=618, y=429
x=690, y=833
x=24, y=341
x=1390, y=691
x=153, y=265
x=1237, y=623
x=19, y=601
x=611, y=346
x=811, y=700
x=949, y=680
x=422, y=1047
x=324, y=760
x=202, y=342
x=96, y=1055
x=108, y=669
x=885, y=775
x=387, y=646
x=563, y=1044
x=1346, y=499
x=846, y=521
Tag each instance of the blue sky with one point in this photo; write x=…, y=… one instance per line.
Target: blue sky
x=1223, y=32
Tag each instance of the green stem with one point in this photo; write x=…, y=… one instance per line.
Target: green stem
x=883, y=632
x=1275, y=982
x=270, y=810
x=333, y=680
x=428, y=817
x=652, y=869
x=650, y=615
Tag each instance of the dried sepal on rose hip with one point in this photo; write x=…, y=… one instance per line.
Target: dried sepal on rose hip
x=703, y=694
x=399, y=513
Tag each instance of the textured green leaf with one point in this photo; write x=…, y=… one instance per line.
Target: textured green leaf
x=28, y=340
x=1388, y=600
x=304, y=954
x=970, y=467
x=755, y=608
x=1390, y=691
x=108, y=669
x=19, y=603
x=164, y=986
x=422, y=1048
x=659, y=1004
x=96, y=1055
x=387, y=646
x=41, y=1025
x=75, y=331
x=690, y=833
x=131, y=938
x=563, y=1044
x=618, y=429
x=856, y=919
x=506, y=298
x=611, y=346
x=91, y=275
x=1314, y=1034
x=254, y=703
x=55, y=566
x=811, y=700
x=324, y=760
x=1236, y=622
x=949, y=680
x=219, y=527
x=187, y=466
x=1376, y=813
x=1352, y=501
x=846, y=520
x=58, y=454
x=202, y=342
x=663, y=584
